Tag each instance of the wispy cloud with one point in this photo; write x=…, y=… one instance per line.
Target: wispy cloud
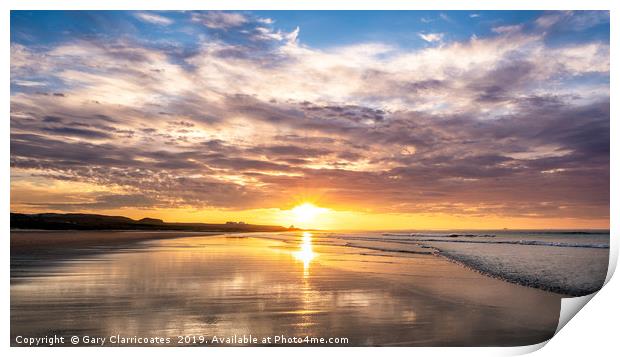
x=576, y=20
x=507, y=29
x=220, y=19
x=26, y=83
x=154, y=18
x=445, y=17
x=431, y=37
x=266, y=20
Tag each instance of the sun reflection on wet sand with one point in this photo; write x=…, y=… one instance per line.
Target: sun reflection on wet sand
x=305, y=253
x=188, y=286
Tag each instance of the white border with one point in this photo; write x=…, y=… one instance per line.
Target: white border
x=313, y=5
x=593, y=331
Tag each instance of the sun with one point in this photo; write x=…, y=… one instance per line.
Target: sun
x=307, y=212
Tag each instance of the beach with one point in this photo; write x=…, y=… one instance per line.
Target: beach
x=32, y=241
x=292, y=285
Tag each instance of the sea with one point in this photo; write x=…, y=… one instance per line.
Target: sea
x=567, y=262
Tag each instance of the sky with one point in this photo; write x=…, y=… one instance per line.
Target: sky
x=383, y=119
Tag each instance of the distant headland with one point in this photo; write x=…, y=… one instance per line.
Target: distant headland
x=89, y=222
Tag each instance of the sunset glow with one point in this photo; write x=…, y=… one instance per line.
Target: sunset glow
x=307, y=213
x=462, y=120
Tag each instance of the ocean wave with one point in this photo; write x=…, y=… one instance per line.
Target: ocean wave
x=441, y=238
x=408, y=248
x=451, y=235
x=524, y=258
x=490, y=235
x=566, y=277
x=521, y=242
x=570, y=232
x=531, y=267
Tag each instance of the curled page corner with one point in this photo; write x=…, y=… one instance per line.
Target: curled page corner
x=571, y=306
x=613, y=260
x=524, y=350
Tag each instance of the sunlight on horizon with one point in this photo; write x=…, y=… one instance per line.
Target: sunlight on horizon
x=356, y=219
x=307, y=213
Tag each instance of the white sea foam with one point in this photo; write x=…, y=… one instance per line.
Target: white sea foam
x=573, y=263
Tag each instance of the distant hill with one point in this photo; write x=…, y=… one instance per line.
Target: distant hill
x=81, y=221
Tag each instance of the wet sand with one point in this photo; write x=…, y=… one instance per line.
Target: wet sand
x=225, y=286
x=25, y=242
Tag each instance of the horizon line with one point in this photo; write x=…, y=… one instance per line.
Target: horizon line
x=608, y=229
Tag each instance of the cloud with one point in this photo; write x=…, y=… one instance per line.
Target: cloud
x=26, y=83
x=548, y=20
x=291, y=37
x=78, y=132
x=220, y=19
x=507, y=29
x=263, y=33
x=266, y=20
x=445, y=17
x=572, y=20
x=154, y=18
x=431, y=37
x=98, y=201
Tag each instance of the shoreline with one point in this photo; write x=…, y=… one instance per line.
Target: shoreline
x=490, y=274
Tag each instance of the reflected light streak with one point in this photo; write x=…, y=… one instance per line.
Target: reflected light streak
x=305, y=253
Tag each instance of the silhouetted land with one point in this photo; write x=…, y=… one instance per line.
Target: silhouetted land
x=89, y=222
x=47, y=231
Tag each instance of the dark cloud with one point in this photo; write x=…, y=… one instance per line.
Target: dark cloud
x=76, y=132
x=499, y=84
x=102, y=202
x=457, y=159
